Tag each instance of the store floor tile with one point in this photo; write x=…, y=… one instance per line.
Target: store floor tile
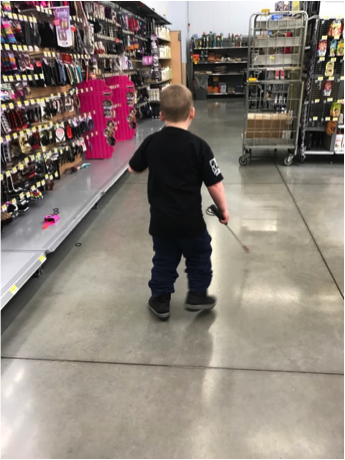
x=274, y=311
x=74, y=410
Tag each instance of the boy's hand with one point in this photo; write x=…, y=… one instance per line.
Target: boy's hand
x=226, y=217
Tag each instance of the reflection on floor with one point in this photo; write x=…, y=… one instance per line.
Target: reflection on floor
x=87, y=372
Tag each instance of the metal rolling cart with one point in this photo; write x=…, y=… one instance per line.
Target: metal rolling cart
x=322, y=123
x=274, y=86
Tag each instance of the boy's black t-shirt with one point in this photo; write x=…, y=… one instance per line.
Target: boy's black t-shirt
x=179, y=162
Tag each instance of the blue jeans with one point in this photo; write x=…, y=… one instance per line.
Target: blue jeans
x=168, y=253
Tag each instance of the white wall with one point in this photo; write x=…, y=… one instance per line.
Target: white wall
x=223, y=16
x=176, y=13
x=332, y=8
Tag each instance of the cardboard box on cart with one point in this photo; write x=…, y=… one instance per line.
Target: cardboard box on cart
x=268, y=125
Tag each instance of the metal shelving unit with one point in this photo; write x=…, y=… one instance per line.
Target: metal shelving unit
x=317, y=103
x=274, y=87
x=234, y=77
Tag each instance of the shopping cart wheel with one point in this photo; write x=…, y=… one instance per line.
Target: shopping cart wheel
x=288, y=160
x=243, y=161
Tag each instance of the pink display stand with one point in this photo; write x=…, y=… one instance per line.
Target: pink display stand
x=123, y=89
x=92, y=95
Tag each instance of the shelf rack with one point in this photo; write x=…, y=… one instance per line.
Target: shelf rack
x=316, y=114
x=232, y=79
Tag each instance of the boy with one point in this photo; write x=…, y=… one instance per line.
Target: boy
x=179, y=162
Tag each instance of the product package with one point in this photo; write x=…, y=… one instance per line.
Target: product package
x=322, y=48
x=335, y=109
x=333, y=48
x=327, y=88
x=338, y=145
x=329, y=70
x=335, y=29
x=340, y=48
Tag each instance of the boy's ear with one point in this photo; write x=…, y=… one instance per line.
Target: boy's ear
x=192, y=113
x=161, y=116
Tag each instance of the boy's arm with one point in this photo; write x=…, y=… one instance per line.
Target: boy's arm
x=138, y=162
x=218, y=196
x=213, y=179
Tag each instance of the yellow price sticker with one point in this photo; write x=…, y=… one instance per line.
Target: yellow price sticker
x=8, y=137
x=26, y=103
x=327, y=118
x=1, y=177
x=14, y=201
x=7, y=47
x=32, y=157
x=15, y=136
x=335, y=118
x=321, y=59
x=14, y=47
x=42, y=259
x=329, y=99
x=340, y=101
x=28, y=194
x=11, y=106
x=4, y=208
x=333, y=59
x=316, y=101
x=43, y=183
x=315, y=118
x=25, y=47
x=20, y=166
x=21, y=195
x=56, y=174
x=27, y=161
x=14, y=289
x=36, y=76
x=38, y=184
x=18, y=77
x=319, y=78
x=5, y=78
x=14, y=170
x=342, y=78
x=25, y=78
x=30, y=77
x=20, y=48
x=46, y=177
x=51, y=177
x=331, y=79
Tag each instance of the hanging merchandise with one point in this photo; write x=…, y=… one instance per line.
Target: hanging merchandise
x=335, y=109
x=335, y=29
x=340, y=48
x=329, y=69
x=322, y=48
x=327, y=88
x=333, y=48
x=63, y=26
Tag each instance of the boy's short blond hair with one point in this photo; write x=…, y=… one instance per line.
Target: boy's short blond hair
x=176, y=103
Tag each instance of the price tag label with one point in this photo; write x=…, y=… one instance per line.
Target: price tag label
x=330, y=99
x=42, y=259
x=8, y=137
x=333, y=59
x=21, y=195
x=15, y=136
x=7, y=47
x=8, y=173
x=28, y=194
x=14, y=201
x=342, y=78
x=25, y=47
x=14, y=170
x=30, y=77
x=316, y=101
x=20, y=48
x=14, y=47
x=321, y=59
x=5, y=78
x=15, y=16
x=27, y=161
x=26, y=103
x=19, y=104
x=25, y=78
x=314, y=118
x=3, y=208
x=11, y=106
x=43, y=183
x=1, y=177
x=32, y=157
x=18, y=77
x=38, y=184
x=36, y=76
x=38, y=155
x=20, y=166
x=56, y=174
x=51, y=177
x=21, y=18
x=340, y=101
x=46, y=177
x=41, y=76
x=319, y=78
x=14, y=289
x=335, y=118
x=331, y=79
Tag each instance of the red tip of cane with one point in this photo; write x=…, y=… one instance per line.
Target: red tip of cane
x=245, y=248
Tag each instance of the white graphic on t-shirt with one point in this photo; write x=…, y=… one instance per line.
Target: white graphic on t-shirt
x=215, y=167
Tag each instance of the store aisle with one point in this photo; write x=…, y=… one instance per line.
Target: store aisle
x=88, y=372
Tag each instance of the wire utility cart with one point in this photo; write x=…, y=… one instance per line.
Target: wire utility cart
x=274, y=83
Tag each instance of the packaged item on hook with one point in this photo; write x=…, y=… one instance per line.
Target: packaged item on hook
x=333, y=48
x=327, y=88
x=322, y=48
x=335, y=29
x=340, y=48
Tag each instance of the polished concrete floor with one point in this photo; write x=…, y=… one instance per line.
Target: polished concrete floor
x=88, y=372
